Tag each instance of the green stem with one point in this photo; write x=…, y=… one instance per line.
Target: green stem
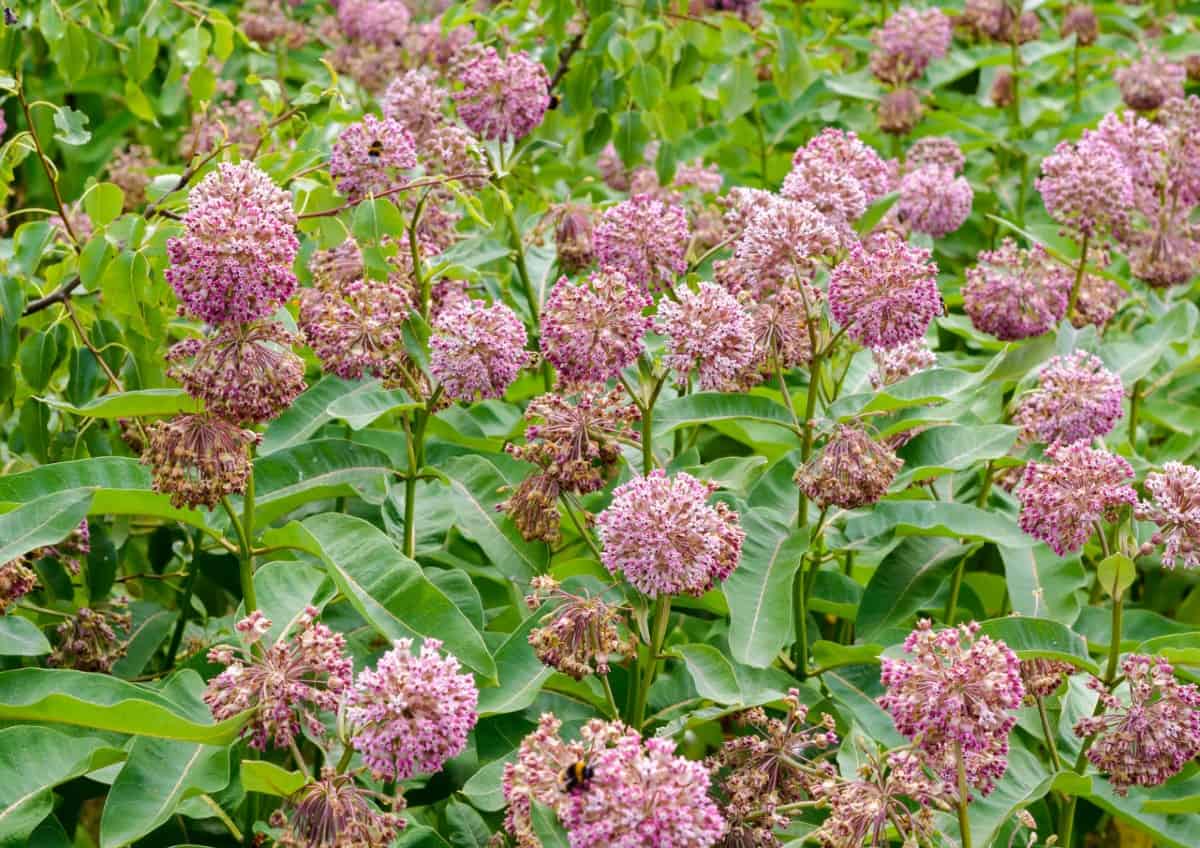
x=989, y=476
x=810, y=410
x=1134, y=407
x=416, y=459
x=1078, y=74
x=1015, y=106
x=955, y=588
x=423, y=286
x=1114, y=650
x=658, y=634
x=1083, y=252
x=246, y=558
x=964, y=824
x=608, y=695
x=1048, y=733
x=518, y=246
x=185, y=604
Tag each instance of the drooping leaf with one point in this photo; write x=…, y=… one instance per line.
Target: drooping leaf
x=133, y=404
x=1042, y=584
x=20, y=637
x=520, y=672
x=41, y=522
x=908, y=578
x=269, y=779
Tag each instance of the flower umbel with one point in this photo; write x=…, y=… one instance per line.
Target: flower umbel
x=198, y=459
x=852, y=470
x=334, y=812
x=1176, y=512
x=477, y=350
x=1077, y=399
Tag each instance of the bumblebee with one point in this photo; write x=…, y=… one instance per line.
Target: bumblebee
x=576, y=776
x=376, y=149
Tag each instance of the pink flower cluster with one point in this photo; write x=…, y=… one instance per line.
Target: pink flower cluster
x=1176, y=512
x=503, y=98
x=934, y=197
x=899, y=363
x=840, y=175
x=1150, y=739
x=907, y=42
x=234, y=261
x=1086, y=186
x=411, y=713
x=640, y=792
x=593, y=329
x=707, y=330
x=782, y=243
x=644, y=238
x=477, y=350
x=1077, y=399
x=1014, y=293
x=1063, y=499
x=383, y=23
x=293, y=679
x=368, y=153
x=663, y=535
x=958, y=693
x=1150, y=81
x=885, y=295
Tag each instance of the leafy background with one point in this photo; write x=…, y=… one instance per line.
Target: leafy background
x=135, y=758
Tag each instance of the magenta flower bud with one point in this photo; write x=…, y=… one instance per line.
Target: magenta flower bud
x=1015, y=293
x=1150, y=81
x=1077, y=399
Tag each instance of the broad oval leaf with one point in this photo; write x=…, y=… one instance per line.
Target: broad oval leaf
x=42, y=522
x=133, y=404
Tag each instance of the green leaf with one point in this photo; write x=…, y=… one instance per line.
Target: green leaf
x=317, y=470
x=71, y=126
x=1042, y=584
x=158, y=776
x=520, y=672
x=120, y=486
x=38, y=358
x=547, y=828
x=759, y=591
x=936, y=518
x=308, y=413
x=907, y=579
x=725, y=682
x=475, y=486
x=484, y=788
x=361, y=409
x=103, y=203
x=387, y=588
x=1116, y=574
x=41, y=522
x=939, y=450
x=61, y=696
x=646, y=85
x=1025, y=781
x=710, y=407
x=284, y=590
x=33, y=761
x=1040, y=638
x=20, y=637
x=270, y=779
x=1167, y=826
x=133, y=404
x=832, y=654
x=465, y=827
x=875, y=212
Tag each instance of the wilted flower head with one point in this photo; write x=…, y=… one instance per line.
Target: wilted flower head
x=1001, y=93
x=1098, y=300
x=1014, y=293
x=1176, y=512
x=998, y=20
x=1081, y=22
x=839, y=174
x=477, y=350
x=575, y=440
x=782, y=324
x=411, y=713
x=881, y=797
x=934, y=201
x=707, y=330
x=234, y=261
x=88, y=640
x=1150, y=81
x=665, y=537
x=1150, y=739
x=645, y=239
x=265, y=22
x=198, y=459
x=356, y=326
x=242, y=372
x=579, y=634
x=771, y=767
x=1043, y=677
x=885, y=295
x=382, y=23
x=533, y=508
x=503, y=98
x=70, y=551
x=1086, y=186
x=17, y=580
x=367, y=155
x=899, y=111
x=1169, y=255
x=334, y=812
x=939, y=150
x=782, y=243
x=289, y=681
x=958, y=692
x=1061, y=500
x=898, y=363
x=593, y=329
x=852, y=470
x=573, y=238
x=238, y=123
x=1077, y=399
x=907, y=42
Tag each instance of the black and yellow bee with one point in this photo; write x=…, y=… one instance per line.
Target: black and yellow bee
x=376, y=149
x=576, y=776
